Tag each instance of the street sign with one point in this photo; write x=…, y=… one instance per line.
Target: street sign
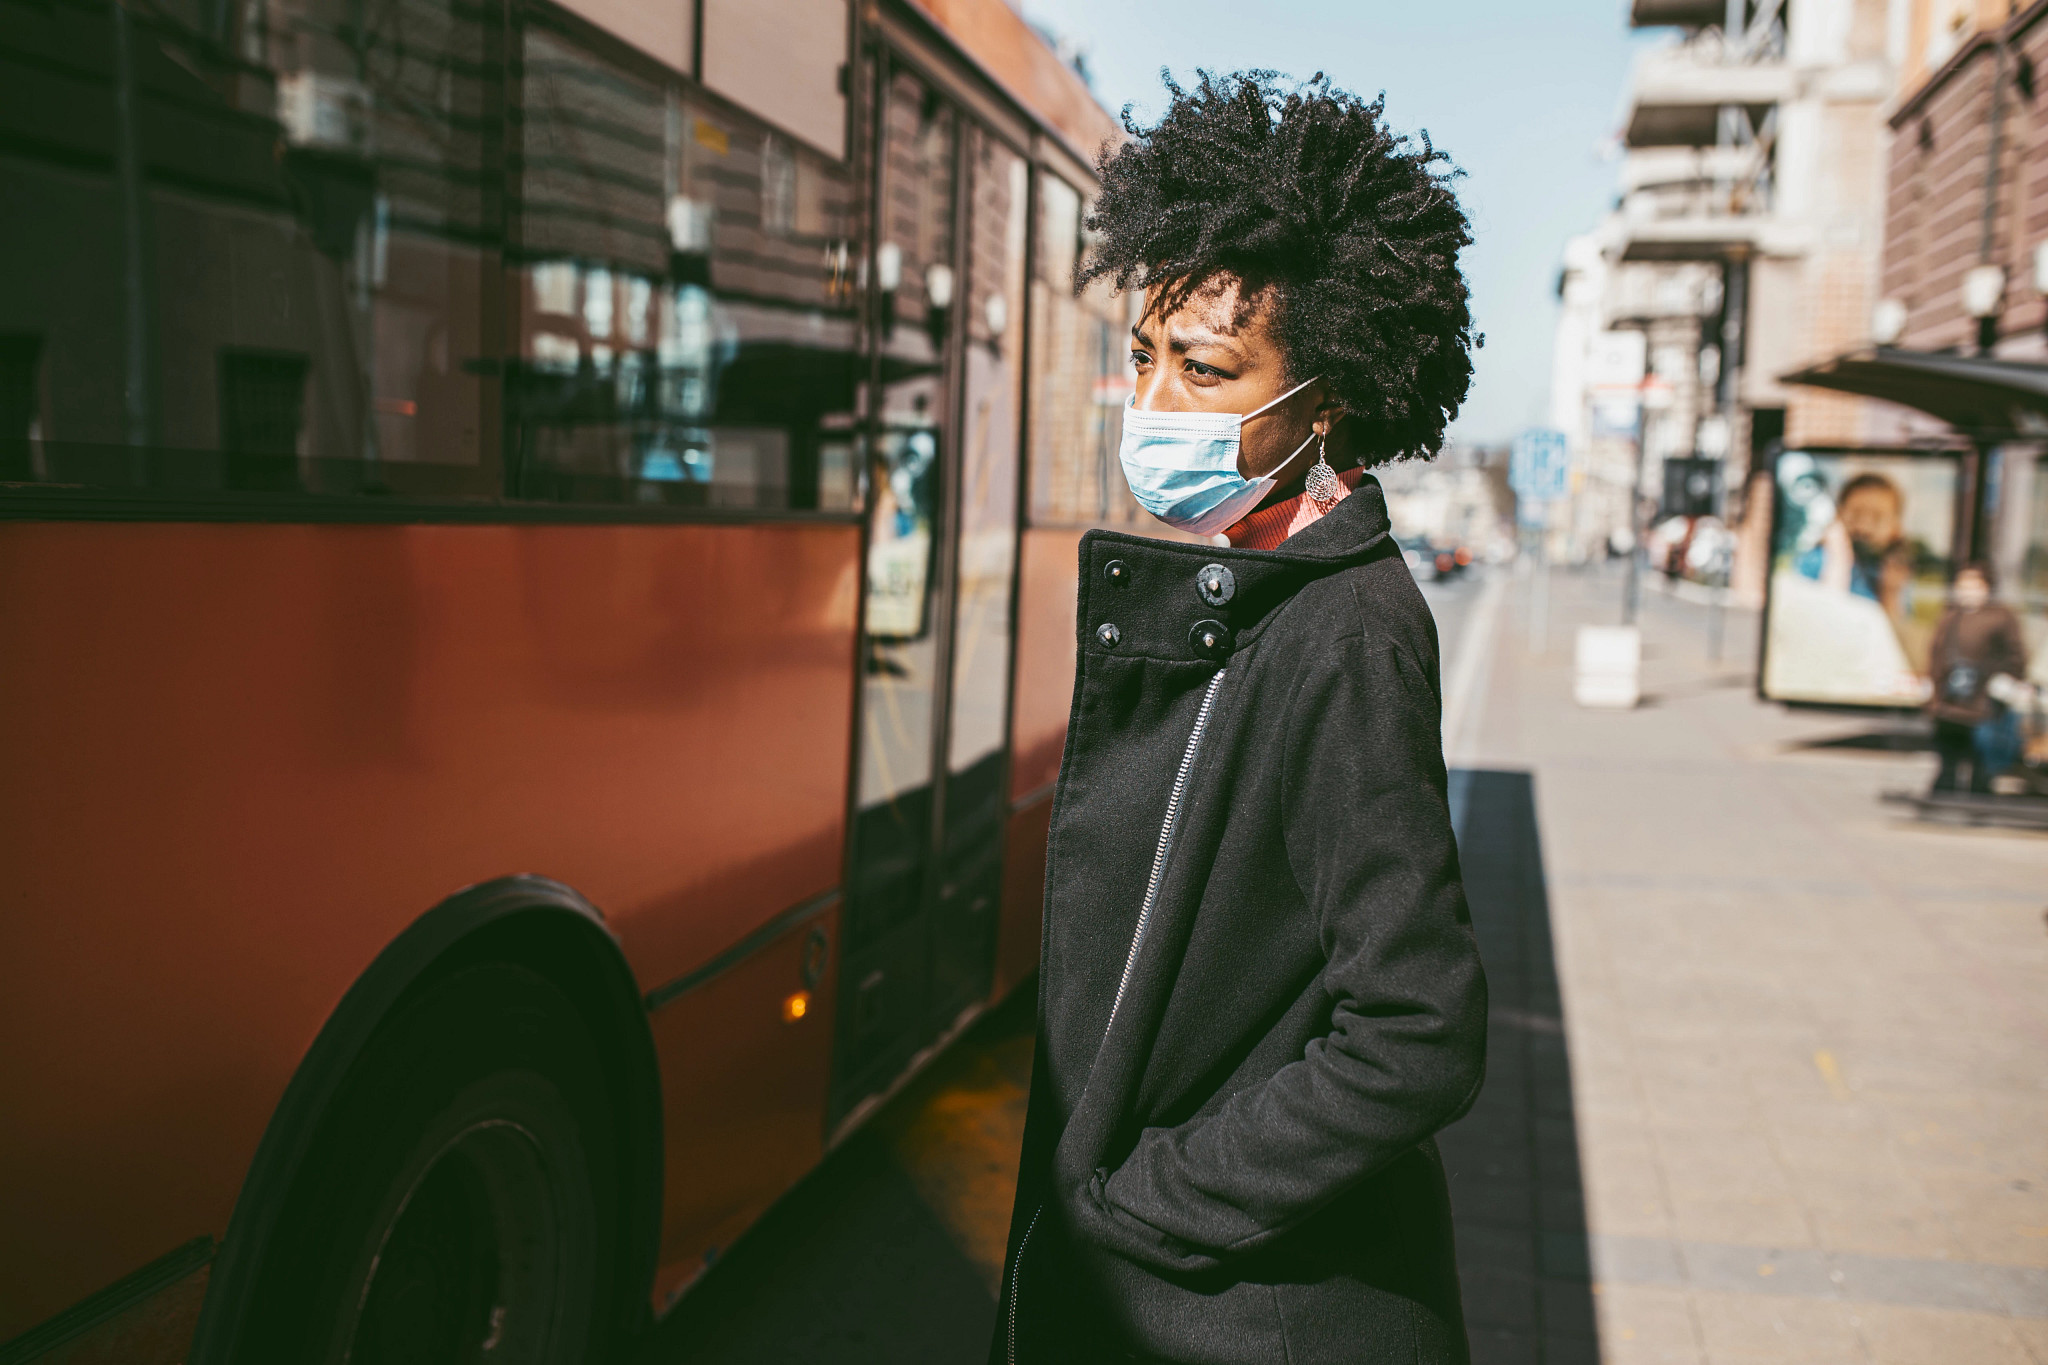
x=1539, y=469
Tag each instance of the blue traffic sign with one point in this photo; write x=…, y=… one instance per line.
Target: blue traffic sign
x=1539, y=470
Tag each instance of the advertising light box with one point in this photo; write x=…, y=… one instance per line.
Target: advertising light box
x=1861, y=554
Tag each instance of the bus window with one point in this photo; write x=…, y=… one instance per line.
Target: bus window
x=887, y=961
x=255, y=230
x=686, y=319
x=298, y=247
x=1079, y=351
x=975, y=804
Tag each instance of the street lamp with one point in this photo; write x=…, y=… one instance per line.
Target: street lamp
x=1888, y=321
x=1983, y=290
x=2041, y=273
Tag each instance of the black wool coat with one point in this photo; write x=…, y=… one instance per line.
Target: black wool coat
x=1259, y=996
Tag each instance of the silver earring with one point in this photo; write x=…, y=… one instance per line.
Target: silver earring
x=1322, y=485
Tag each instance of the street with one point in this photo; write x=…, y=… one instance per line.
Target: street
x=1765, y=1075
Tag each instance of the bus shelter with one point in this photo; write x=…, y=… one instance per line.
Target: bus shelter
x=1863, y=541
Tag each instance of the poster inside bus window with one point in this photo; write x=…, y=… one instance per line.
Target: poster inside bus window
x=1861, y=551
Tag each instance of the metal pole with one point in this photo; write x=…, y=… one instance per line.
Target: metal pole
x=1986, y=230
x=1632, y=591
x=1539, y=593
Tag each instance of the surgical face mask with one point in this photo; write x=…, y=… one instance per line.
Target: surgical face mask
x=1182, y=466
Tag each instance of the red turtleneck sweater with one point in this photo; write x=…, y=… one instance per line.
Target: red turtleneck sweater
x=1267, y=527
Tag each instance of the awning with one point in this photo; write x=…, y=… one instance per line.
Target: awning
x=1983, y=398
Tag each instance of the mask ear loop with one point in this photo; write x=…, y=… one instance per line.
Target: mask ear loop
x=1278, y=401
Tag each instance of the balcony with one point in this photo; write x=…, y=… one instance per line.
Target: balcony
x=1678, y=95
x=1701, y=219
x=1676, y=13
x=1652, y=168
x=1638, y=294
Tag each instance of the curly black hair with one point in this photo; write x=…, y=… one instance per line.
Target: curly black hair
x=1348, y=231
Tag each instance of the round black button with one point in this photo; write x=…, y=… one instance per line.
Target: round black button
x=1108, y=634
x=1117, y=572
x=1216, y=584
x=1210, y=639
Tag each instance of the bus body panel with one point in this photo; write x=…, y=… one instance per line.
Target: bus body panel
x=242, y=758
x=743, y=1088
x=1046, y=594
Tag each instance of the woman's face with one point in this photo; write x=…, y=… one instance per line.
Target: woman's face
x=1217, y=353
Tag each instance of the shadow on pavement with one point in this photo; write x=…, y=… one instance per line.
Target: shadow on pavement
x=1514, y=1160
x=889, y=1252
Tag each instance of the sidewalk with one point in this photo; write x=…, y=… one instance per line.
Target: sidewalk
x=1789, y=1098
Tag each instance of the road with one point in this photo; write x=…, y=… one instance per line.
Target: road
x=891, y=1251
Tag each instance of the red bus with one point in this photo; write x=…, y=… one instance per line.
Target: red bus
x=536, y=571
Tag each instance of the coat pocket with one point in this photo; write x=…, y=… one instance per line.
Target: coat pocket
x=1201, y=1321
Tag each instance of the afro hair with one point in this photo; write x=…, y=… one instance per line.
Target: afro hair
x=1349, y=232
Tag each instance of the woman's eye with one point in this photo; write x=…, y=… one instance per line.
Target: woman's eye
x=1140, y=359
x=1201, y=371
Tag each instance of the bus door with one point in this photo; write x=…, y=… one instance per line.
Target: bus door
x=924, y=889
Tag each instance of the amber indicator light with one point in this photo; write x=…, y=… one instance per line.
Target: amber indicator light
x=796, y=1007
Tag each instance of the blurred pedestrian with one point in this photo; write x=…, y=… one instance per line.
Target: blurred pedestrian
x=1979, y=655
x=1260, y=994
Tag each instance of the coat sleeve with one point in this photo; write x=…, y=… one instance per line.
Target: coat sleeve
x=1369, y=839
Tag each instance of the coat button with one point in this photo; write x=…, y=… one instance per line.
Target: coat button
x=1117, y=572
x=1216, y=584
x=1210, y=639
x=1108, y=634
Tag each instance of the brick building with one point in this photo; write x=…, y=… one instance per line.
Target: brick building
x=1958, y=339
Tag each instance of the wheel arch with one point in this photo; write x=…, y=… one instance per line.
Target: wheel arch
x=531, y=920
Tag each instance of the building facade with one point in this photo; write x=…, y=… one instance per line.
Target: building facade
x=1744, y=239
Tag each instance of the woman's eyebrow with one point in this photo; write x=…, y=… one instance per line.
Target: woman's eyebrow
x=1181, y=342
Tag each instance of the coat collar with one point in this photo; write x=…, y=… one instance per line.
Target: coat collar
x=1161, y=598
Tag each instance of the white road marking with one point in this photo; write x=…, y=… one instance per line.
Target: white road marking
x=1465, y=697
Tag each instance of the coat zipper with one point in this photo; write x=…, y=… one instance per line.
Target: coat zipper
x=1166, y=828
x=1180, y=786
x=1017, y=1275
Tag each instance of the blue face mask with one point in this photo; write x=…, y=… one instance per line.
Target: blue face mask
x=1182, y=466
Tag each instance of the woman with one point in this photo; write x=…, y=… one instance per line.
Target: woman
x=1977, y=643
x=1260, y=994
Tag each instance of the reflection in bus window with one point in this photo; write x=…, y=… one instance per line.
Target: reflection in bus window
x=1079, y=359
x=975, y=806
x=256, y=230
x=900, y=536
x=987, y=557
x=303, y=247
x=887, y=952
x=687, y=335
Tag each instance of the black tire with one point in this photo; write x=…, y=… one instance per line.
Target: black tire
x=462, y=1202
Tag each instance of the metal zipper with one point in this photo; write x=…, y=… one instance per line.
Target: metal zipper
x=1017, y=1275
x=1180, y=784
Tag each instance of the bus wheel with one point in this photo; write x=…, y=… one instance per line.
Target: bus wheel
x=463, y=1205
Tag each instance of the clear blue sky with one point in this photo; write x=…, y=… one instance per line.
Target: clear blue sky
x=1523, y=94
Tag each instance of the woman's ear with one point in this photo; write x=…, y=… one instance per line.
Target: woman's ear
x=1328, y=413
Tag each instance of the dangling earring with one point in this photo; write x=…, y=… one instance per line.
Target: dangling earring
x=1323, y=487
